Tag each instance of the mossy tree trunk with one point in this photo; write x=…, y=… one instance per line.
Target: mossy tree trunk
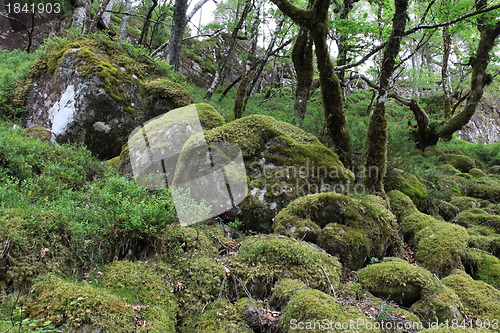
x=429, y=133
x=316, y=21
x=302, y=58
x=376, y=138
x=176, y=34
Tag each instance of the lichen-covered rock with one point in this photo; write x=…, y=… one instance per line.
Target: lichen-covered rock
x=398, y=281
x=479, y=299
x=400, y=180
x=352, y=229
x=90, y=91
x=76, y=305
x=314, y=311
x=282, y=163
x=264, y=260
x=483, y=266
x=461, y=162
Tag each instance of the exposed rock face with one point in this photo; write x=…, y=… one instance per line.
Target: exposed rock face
x=92, y=92
x=484, y=127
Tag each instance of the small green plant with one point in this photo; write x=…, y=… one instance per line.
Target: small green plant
x=18, y=324
x=236, y=224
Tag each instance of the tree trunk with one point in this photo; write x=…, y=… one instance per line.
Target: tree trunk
x=219, y=74
x=106, y=16
x=302, y=58
x=445, y=75
x=123, y=24
x=147, y=22
x=176, y=34
x=376, y=138
x=80, y=14
x=479, y=80
x=316, y=21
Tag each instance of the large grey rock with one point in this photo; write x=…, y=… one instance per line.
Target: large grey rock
x=91, y=92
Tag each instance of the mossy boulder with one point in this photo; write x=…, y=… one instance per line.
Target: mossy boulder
x=486, y=187
x=479, y=299
x=33, y=243
x=314, y=311
x=140, y=283
x=477, y=173
x=439, y=245
x=264, y=260
x=74, y=306
x=461, y=162
x=398, y=281
x=484, y=238
x=477, y=217
x=90, y=91
x=39, y=132
x=463, y=202
x=439, y=307
x=483, y=266
x=397, y=179
x=164, y=95
x=352, y=229
x=283, y=290
x=225, y=317
x=282, y=163
x=199, y=282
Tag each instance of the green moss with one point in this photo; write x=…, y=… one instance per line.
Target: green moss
x=439, y=307
x=440, y=247
x=139, y=283
x=174, y=92
x=487, y=187
x=476, y=173
x=263, y=260
x=398, y=281
x=469, y=218
x=483, y=266
x=353, y=229
x=77, y=304
x=312, y=307
x=34, y=244
x=401, y=204
x=484, y=238
x=448, y=169
x=198, y=284
x=397, y=179
x=461, y=162
x=464, y=203
x=283, y=290
x=114, y=162
x=181, y=242
x=39, y=132
x=222, y=317
x=480, y=300
x=209, y=117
